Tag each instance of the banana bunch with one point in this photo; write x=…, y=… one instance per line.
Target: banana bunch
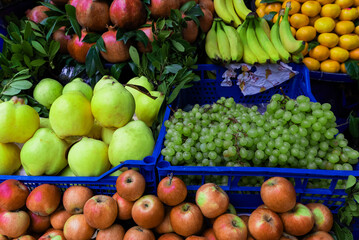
x=223, y=43
x=232, y=12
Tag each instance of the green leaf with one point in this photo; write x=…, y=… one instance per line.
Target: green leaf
x=51, y=30
x=101, y=44
x=160, y=24
x=93, y=62
x=28, y=50
x=22, y=85
x=16, y=48
x=312, y=45
x=27, y=61
x=34, y=26
x=134, y=55
x=119, y=34
x=38, y=62
x=195, y=12
x=350, y=182
x=91, y=38
x=352, y=69
x=52, y=7
x=53, y=49
x=27, y=32
x=116, y=70
x=271, y=1
x=187, y=6
x=352, y=204
x=164, y=34
x=38, y=47
x=178, y=46
x=142, y=37
x=338, y=231
x=269, y=16
x=356, y=197
x=174, y=68
x=11, y=91
x=75, y=25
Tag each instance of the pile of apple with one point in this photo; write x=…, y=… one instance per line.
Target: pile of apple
x=87, y=132
x=129, y=214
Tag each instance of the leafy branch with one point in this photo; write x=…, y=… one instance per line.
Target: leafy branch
x=351, y=206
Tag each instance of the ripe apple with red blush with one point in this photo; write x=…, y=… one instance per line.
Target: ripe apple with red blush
x=320, y=235
x=38, y=224
x=186, y=219
x=265, y=224
x=44, y=199
x=77, y=228
x=130, y=185
x=323, y=217
x=171, y=190
x=75, y=197
x=298, y=221
x=170, y=236
x=58, y=218
x=286, y=236
x=148, y=211
x=138, y=232
x=124, y=207
x=165, y=226
x=14, y=224
x=209, y=234
x=230, y=226
x=193, y=237
x=13, y=194
x=116, y=231
x=53, y=234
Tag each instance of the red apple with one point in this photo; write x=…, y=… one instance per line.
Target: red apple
x=54, y=234
x=137, y=232
x=209, y=234
x=186, y=219
x=286, y=236
x=14, y=224
x=298, y=221
x=212, y=200
x=323, y=217
x=321, y=235
x=230, y=226
x=44, y=199
x=38, y=224
x=262, y=206
x=148, y=211
x=124, y=207
x=193, y=237
x=165, y=226
x=58, y=219
x=171, y=190
x=75, y=197
x=264, y=224
x=100, y=211
x=170, y=236
x=278, y=194
x=13, y=195
x=77, y=228
x=130, y=185
x=116, y=231
x=25, y=237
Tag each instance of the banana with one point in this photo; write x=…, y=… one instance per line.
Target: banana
x=275, y=38
x=264, y=24
x=211, y=46
x=289, y=42
x=223, y=44
x=234, y=42
x=221, y=9
x=265, y=42
x=248, y=56
x=241, y=8
x=297, y=58
x=254, y=45
x=236, y=20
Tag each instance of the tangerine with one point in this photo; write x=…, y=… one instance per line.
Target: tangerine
x=273, y=7
x=311, y=63
x=330, y=66
x=348, y=14
x=257, y=3
x=313, y=19
x=354, y=54
x=349, y=41
x=330, y=10
x=320, y=53
x=298, y=20
x=305, y=50
x=261, y=10
x=311, y=8
x=356, y=3
x=292, y=29
x=344, y=27
x=306, y=33
x=294, y=6
x=344, y=3
x=339, y=54
x=324, y=24
x=356, y=30
x=342, y=68
x=328, y=39
x=324, y=2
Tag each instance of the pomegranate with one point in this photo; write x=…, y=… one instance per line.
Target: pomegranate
x=206, y=21
x=78, y=49
x=37, y=14
x=60, y=36
x=93, y=14
x=162, y=8
x=116, y=51
x=148, y=31
x=190, y=32
x=129, y=14
x=207, y=4
x=73, y=2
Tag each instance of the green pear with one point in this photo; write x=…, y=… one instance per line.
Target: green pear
x=131, y=142
x=47, y=91
x=147, y=108
x=70, y=115
x=44, y=153
x=106, y=134
x=139, y=81
x=66, y=172
x=116, y=173
x=9, y=158
x=113, y=106
x=96, y=131
x=79, y=85
x=45, y=123
x=103, y=82
x=89, y=158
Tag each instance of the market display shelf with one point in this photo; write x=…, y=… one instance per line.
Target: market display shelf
x=247, y=197
x=331, y=77
x=104, y=184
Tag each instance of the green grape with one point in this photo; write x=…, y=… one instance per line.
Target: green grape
x=353, y=154
x=302, y=131
x=333, y=158
x=187, y=156
x=259, y=154
x=304, y=106
x=338, y=167
x=302, y=99
x=326, y=106
x=293, y=129
x=290, y=105
x=347, y=167
x=315, y=136
x=273, y=134
x=318, y=113
x=261, y=146
x=312, y=165
x=318, y=161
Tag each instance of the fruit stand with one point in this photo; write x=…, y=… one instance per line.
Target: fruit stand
x=167, y=119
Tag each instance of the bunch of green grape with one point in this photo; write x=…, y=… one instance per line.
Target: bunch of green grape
x=292, y=133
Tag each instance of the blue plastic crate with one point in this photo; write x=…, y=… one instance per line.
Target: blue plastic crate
x=2, y=31
x=104, y=184
x=247, y=197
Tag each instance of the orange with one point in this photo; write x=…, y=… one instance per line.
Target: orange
x=348, y=14
x=311, y=8
x=306, y=33
x=294, y=6
x=330, y=66
x=305, y=50
x=330, y=10
x=292, y=29
x=302, y=1
x=354, y=54
x=356, y=30
x=313, y=19
x=320, y=53
x=298, y=20
x=344, y=27
x=273, y=7
x=258, y=3
x=311, y=63
x=356, y=3
x=339, y=54
x=324, y=24
x=349, y=41
x=261, y=10
x=328, y=39
x=324, y=2
x=344, y=3
x=342, y=68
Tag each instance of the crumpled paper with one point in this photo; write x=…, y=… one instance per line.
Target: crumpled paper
x=255, y=79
